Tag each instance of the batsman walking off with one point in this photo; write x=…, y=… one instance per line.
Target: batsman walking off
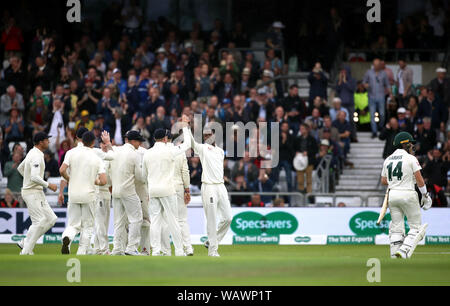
x=214, y=194
x=401, y=171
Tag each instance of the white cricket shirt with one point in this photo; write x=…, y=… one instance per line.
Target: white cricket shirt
x=125, y=170
x=211, y=158
x=399, y=169
x=85, y=166
x=181, y=175
x=159, y=166
x=32, y=169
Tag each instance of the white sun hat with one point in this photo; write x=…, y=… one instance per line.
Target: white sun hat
x=300, y=162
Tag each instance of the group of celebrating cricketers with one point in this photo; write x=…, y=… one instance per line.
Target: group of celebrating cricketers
x=148, y=190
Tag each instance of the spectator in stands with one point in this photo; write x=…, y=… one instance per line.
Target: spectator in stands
x=244, y=167
x=306, y=145
x=425, y=137
x=203, y=82
x=158, y=121
x=195, y=170
x=42, y=74
x=413, y=108
x=12, y=38
x=240, y=185
x=337, y=107
x=62, y=150
x=256, y=201
x=51, y=165
x=279, y=202
x=441, y=86
x=388, y=134
x=346, y=88
x=315, y=121
x=14, y=126
x=106, y=105
x=318, y=82
x=14, y=74
x=435, y=174
x=377, y=83
x=142, y=129
x=433, y=108
x=15, y=180
x=264, y=184
x=85, y=121
x=38, y=116
x=11, y=99
x=405, y=125
x=9, y=201
x=362, y=107
x=404, y=82
x=286, y=151
x=328, y=127
x=120, y=124
x=344, y=128
x=275, y=38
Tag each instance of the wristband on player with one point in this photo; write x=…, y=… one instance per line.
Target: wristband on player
x=187, y=190
x=423, y=189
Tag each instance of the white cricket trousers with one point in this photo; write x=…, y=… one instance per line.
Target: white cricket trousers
x=127, y=209
x=42, y=218
x=102, y=212
x=164, y=209
x=403, y=203
x=145, y=228
x=215, y=202
x=80, y=220
x=182, y=217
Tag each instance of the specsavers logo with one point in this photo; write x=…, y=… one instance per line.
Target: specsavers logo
x=365, y=224
x=254, y=224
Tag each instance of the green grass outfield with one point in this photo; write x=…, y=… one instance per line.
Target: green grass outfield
x=239, y=265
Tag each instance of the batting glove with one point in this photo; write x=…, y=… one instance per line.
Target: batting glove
x=426, y=201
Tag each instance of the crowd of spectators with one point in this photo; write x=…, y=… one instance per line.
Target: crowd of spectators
x=428, y=28
x=146, y=81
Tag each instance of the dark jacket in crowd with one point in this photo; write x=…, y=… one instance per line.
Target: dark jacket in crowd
x=442, y=90
x=318, y=86
x=435, y=110
x=346, y=91
x=308, y=144
x=388, y=135
x=425, y=141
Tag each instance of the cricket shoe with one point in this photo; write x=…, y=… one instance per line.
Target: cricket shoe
x=180, y=254
x=189, y=251
x=214, y=255
x=401, y=254
x=145, y=253
x=24, y=254
x=206, y=244
x=21, y=243
x=117, y=254
x=133, y=253
x=65, y=246
x=157, y=253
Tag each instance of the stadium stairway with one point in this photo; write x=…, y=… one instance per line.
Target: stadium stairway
x=367, y=157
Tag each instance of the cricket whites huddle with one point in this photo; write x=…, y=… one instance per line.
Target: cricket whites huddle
x=149, y=191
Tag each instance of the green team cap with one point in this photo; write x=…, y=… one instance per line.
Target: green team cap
x=402, y=138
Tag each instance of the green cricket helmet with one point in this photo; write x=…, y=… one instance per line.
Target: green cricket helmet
x=403, y=138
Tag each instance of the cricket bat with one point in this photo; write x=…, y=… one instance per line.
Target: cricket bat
x=383, y=208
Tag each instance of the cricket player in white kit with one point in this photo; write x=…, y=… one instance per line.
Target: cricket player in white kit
x=401, y=171
x=142, y=192
x=126, y=169
x=181, y=180
x=79, y=142
x=158, y=167
x=42, y=216
x=214, y=194
x=86, y=171
x=103, y=203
